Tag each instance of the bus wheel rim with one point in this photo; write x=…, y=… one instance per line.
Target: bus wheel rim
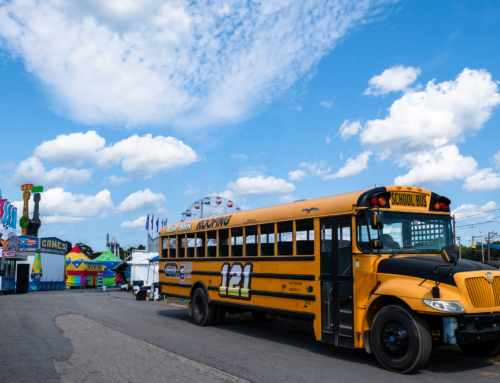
x=395, y=339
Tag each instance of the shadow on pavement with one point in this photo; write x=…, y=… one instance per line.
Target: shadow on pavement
x=301, y=335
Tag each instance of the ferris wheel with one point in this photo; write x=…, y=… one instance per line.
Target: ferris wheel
x=208, y=207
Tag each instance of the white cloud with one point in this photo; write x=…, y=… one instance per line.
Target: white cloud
x=135, y=224
x=496, y=160
x=299, y=108
x=240, y=156
x=296, y=175
x=352, y=167
x=484, y=179
x=162, y=62
x=115, y=180
x=326, y=104
x=474, y=210
x=146, y=156
x=436, y=166
x=71, y=149
x=141, y=200
x=287, y=198
x=139, y=156
x=315, y=168
x=392, y=80
x=252, y=171
x=349, y=128
x=191, y=191
x=59, y=206
x=260, y=185
x=327, y=139
x=33, y=171
x=438, y=114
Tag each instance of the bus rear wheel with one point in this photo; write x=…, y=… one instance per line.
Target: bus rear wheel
x=401, y=339
x=203, y=311
x=482, y=349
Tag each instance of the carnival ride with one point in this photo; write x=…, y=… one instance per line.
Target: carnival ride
x=209, y=206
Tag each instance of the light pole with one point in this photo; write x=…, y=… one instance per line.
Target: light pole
x=459, y=248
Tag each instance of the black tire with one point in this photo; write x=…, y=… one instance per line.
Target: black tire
x=203, y=312
x=401, y=339
x=482, y=349
x=220, y=315
x=259, y=316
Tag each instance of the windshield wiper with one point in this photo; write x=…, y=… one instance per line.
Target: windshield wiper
x=400, y=250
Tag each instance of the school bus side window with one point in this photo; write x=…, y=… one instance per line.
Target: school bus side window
x=305, y=236
x=190, y=245
x=267, y=239
x=285, y=238
x=212, y=243
x=164, y=247
x=251, y=241
x=172, y=247
x=181, y=245
x=200, y=244
x=237, y=242
x=224, y=243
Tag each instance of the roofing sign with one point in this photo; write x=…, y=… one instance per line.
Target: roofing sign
x=53, y=245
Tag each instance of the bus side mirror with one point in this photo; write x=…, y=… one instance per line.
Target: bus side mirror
x=449, y=255
x=376, y=220
x=376, y=244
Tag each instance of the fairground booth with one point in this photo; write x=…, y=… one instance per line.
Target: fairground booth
x=45, y=257
x=9, y=258
x=81, y=271
x=108, y=261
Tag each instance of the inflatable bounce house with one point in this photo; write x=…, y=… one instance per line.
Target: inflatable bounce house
x=81, y=270
x=108, y=261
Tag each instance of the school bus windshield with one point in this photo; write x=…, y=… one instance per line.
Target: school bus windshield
x=407, y=233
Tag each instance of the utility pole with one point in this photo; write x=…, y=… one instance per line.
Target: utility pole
x=489, y=245
x=482, y=250
x=459, y=248
x=454, y=233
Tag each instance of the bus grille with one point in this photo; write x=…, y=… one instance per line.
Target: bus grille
x=482, y=293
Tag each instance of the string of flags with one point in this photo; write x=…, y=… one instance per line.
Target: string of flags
x=150, y=224
x=8, y=214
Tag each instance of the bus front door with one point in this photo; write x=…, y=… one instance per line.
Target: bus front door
x=337, y=320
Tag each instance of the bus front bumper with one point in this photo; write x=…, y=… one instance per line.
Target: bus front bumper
x=478, y=327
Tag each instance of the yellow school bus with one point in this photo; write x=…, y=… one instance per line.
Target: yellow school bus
x=372, y=269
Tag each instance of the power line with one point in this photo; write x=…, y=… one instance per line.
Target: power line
x=479, y=223
x=476, y=214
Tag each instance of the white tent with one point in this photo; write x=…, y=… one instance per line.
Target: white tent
x=143, y=269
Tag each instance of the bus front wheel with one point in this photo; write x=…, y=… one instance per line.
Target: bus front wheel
x=203, y=311
x=401, y=339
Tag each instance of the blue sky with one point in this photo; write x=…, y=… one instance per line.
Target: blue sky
x=124, y=109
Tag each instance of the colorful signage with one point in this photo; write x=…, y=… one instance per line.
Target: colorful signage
x=28, y=243
x=53, y=244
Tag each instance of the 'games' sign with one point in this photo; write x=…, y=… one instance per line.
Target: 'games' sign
x=53, y=244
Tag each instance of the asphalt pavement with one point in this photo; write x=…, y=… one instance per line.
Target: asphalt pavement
x=90, y=336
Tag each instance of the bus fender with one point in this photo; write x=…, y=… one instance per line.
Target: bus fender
x=195, y=286
x=377, y=302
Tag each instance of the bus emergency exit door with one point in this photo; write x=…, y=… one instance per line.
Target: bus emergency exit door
x=337, y=319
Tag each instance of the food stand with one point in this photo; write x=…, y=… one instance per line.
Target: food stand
x=9, y=257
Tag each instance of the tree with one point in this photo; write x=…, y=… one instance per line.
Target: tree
x=69, y=246
x=86, y=249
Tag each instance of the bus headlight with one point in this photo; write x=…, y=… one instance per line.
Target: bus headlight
x=445, y=306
